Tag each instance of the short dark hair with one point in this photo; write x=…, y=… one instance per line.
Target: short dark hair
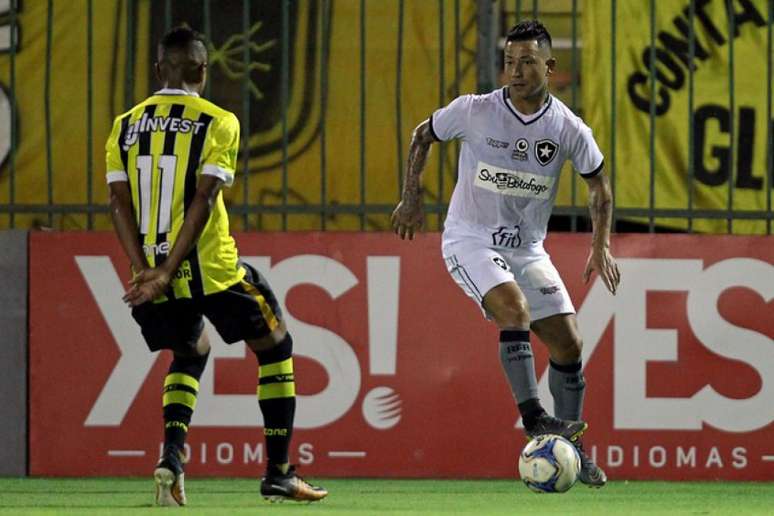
x=180, y=37
x=528, y=30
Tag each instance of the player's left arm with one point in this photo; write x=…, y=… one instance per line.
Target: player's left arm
x=122, y=214
x=121, y=210
x=601, y=209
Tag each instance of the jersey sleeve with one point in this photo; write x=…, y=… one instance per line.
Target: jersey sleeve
x=584, y=152
x=450, y=122
x=223, y=147
x=114, y=165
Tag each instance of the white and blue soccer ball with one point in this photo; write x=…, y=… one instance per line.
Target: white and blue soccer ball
x=549, y=464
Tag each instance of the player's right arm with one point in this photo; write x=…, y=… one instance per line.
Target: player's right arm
x=408, y=216
x=447, y=123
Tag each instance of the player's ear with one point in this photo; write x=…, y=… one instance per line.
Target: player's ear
x=203, y=82
x=157, y=70
x=550, y=66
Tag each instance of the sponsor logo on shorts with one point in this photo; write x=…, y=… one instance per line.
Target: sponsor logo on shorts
x=520, y=152
x=506, y=237
x=513, y=182
x=497, y=144
x=547, y=291
x=501, y=263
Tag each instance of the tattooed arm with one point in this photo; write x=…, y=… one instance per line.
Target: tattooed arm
x=409, y=214
x=601, y=210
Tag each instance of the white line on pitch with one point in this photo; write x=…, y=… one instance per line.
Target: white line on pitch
x=346, y=454
x=768, y=458
x=126, y=453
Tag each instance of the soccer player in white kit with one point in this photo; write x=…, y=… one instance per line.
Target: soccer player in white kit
x=514, y=143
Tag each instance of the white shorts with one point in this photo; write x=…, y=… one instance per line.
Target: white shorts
x=477, y=269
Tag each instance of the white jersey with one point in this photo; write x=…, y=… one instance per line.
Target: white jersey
x=510, y=164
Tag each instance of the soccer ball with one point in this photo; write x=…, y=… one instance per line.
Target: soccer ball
x=549, y=464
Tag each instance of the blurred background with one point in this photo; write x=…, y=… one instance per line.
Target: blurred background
x=328, y=91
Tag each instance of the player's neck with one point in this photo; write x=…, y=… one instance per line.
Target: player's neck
x=181, y=85
x=529, y=105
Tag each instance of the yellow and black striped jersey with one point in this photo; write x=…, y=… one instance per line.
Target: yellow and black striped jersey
x=161, y=147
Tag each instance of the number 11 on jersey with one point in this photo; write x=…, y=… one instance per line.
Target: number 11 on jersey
x=167, y=165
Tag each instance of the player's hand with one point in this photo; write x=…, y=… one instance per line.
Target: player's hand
x=147, y=286
x=406, y=219
x=602, y=261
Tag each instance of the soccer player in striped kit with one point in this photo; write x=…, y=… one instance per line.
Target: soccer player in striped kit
x=514, y=143
x=167, y=160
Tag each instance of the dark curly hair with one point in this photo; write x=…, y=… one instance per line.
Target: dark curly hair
x=179, y=37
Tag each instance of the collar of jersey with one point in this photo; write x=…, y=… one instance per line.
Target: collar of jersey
x=175, y=91
x=506, y=101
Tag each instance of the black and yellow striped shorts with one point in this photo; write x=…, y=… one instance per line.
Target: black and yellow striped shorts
x=246, y=310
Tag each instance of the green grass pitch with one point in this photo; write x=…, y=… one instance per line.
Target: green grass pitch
x=108, y=496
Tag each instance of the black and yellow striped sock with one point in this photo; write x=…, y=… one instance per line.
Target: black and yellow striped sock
x=181, y=386
x=277, y=399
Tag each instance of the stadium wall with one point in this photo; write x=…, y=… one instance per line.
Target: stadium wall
x=13, y=353
x=397, y=371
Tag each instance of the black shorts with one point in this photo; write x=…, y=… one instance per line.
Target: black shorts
x=246, y=310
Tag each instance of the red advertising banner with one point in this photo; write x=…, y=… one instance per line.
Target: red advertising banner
x=398, y=373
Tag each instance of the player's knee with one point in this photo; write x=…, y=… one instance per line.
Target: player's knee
x=515, y=314
x=576, y=346
x=202, y=345
x=280, y=351
x=192, y=365
x=571, y=349
x=273, y=339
